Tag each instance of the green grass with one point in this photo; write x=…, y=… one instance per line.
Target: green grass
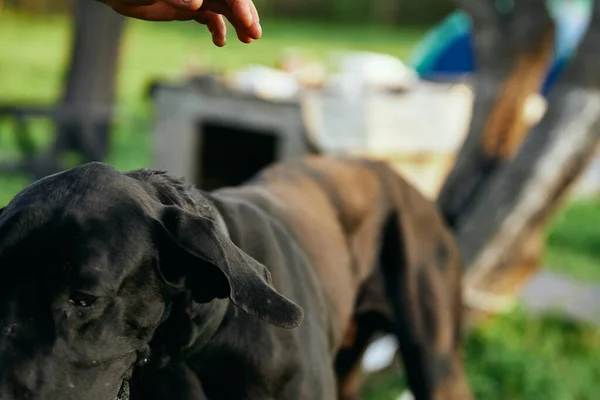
x=573, y=244
x=518, y=357
x=34, y=50
x=524, y=358
x=513, y=358
x=34, y=54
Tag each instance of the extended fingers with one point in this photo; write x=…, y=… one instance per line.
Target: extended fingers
x=231, y=10
x=245, y=19
x=242, y=12
x=216, y=26
x=254, y=30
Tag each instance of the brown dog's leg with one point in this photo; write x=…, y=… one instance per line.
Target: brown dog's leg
x=349, y=376
x=359, y=335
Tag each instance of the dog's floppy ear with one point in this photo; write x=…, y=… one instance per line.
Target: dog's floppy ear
x=201, y=246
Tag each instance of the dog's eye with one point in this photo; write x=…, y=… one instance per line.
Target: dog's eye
x=82, y=299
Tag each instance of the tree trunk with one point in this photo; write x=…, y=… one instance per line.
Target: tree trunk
x=91, y=81
x=497, y=203
x=512, y=53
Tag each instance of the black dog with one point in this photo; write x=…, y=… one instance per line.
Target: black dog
x=133, y=282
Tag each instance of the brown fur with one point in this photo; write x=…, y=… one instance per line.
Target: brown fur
x=339, y=211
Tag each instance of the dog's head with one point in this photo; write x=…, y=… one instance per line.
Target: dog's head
x=89, y=259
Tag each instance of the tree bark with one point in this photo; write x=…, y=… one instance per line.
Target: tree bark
x=91, y=80
x=512, y=50
x=523, y=194
x=512, y=200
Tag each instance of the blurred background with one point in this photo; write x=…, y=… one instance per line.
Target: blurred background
x=388, y=79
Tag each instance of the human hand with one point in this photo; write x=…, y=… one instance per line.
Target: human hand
x=241, y=13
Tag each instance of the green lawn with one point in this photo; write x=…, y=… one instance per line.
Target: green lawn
x=513, y=358
x=573, y=244
x=522, y=358
x=34, y=52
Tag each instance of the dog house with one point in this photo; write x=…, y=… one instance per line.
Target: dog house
x=215, y=137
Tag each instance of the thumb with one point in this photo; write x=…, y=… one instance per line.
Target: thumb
x=192, y=5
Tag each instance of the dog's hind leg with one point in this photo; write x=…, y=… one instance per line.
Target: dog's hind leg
x=422, y=279
x=362, y=330
x=372, y=316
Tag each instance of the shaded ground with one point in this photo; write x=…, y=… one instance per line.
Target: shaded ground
x=550, y=292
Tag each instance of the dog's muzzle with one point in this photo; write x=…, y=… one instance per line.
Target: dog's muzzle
x=124, y=392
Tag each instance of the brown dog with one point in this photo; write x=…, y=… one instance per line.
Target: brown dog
x=386, y=263
x=118, y=285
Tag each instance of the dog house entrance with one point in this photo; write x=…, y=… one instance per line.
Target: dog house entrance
x=231, y=155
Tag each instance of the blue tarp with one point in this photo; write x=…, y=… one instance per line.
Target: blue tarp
x=447, y=51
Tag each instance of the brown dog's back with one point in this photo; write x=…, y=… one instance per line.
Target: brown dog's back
x=385, y=260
